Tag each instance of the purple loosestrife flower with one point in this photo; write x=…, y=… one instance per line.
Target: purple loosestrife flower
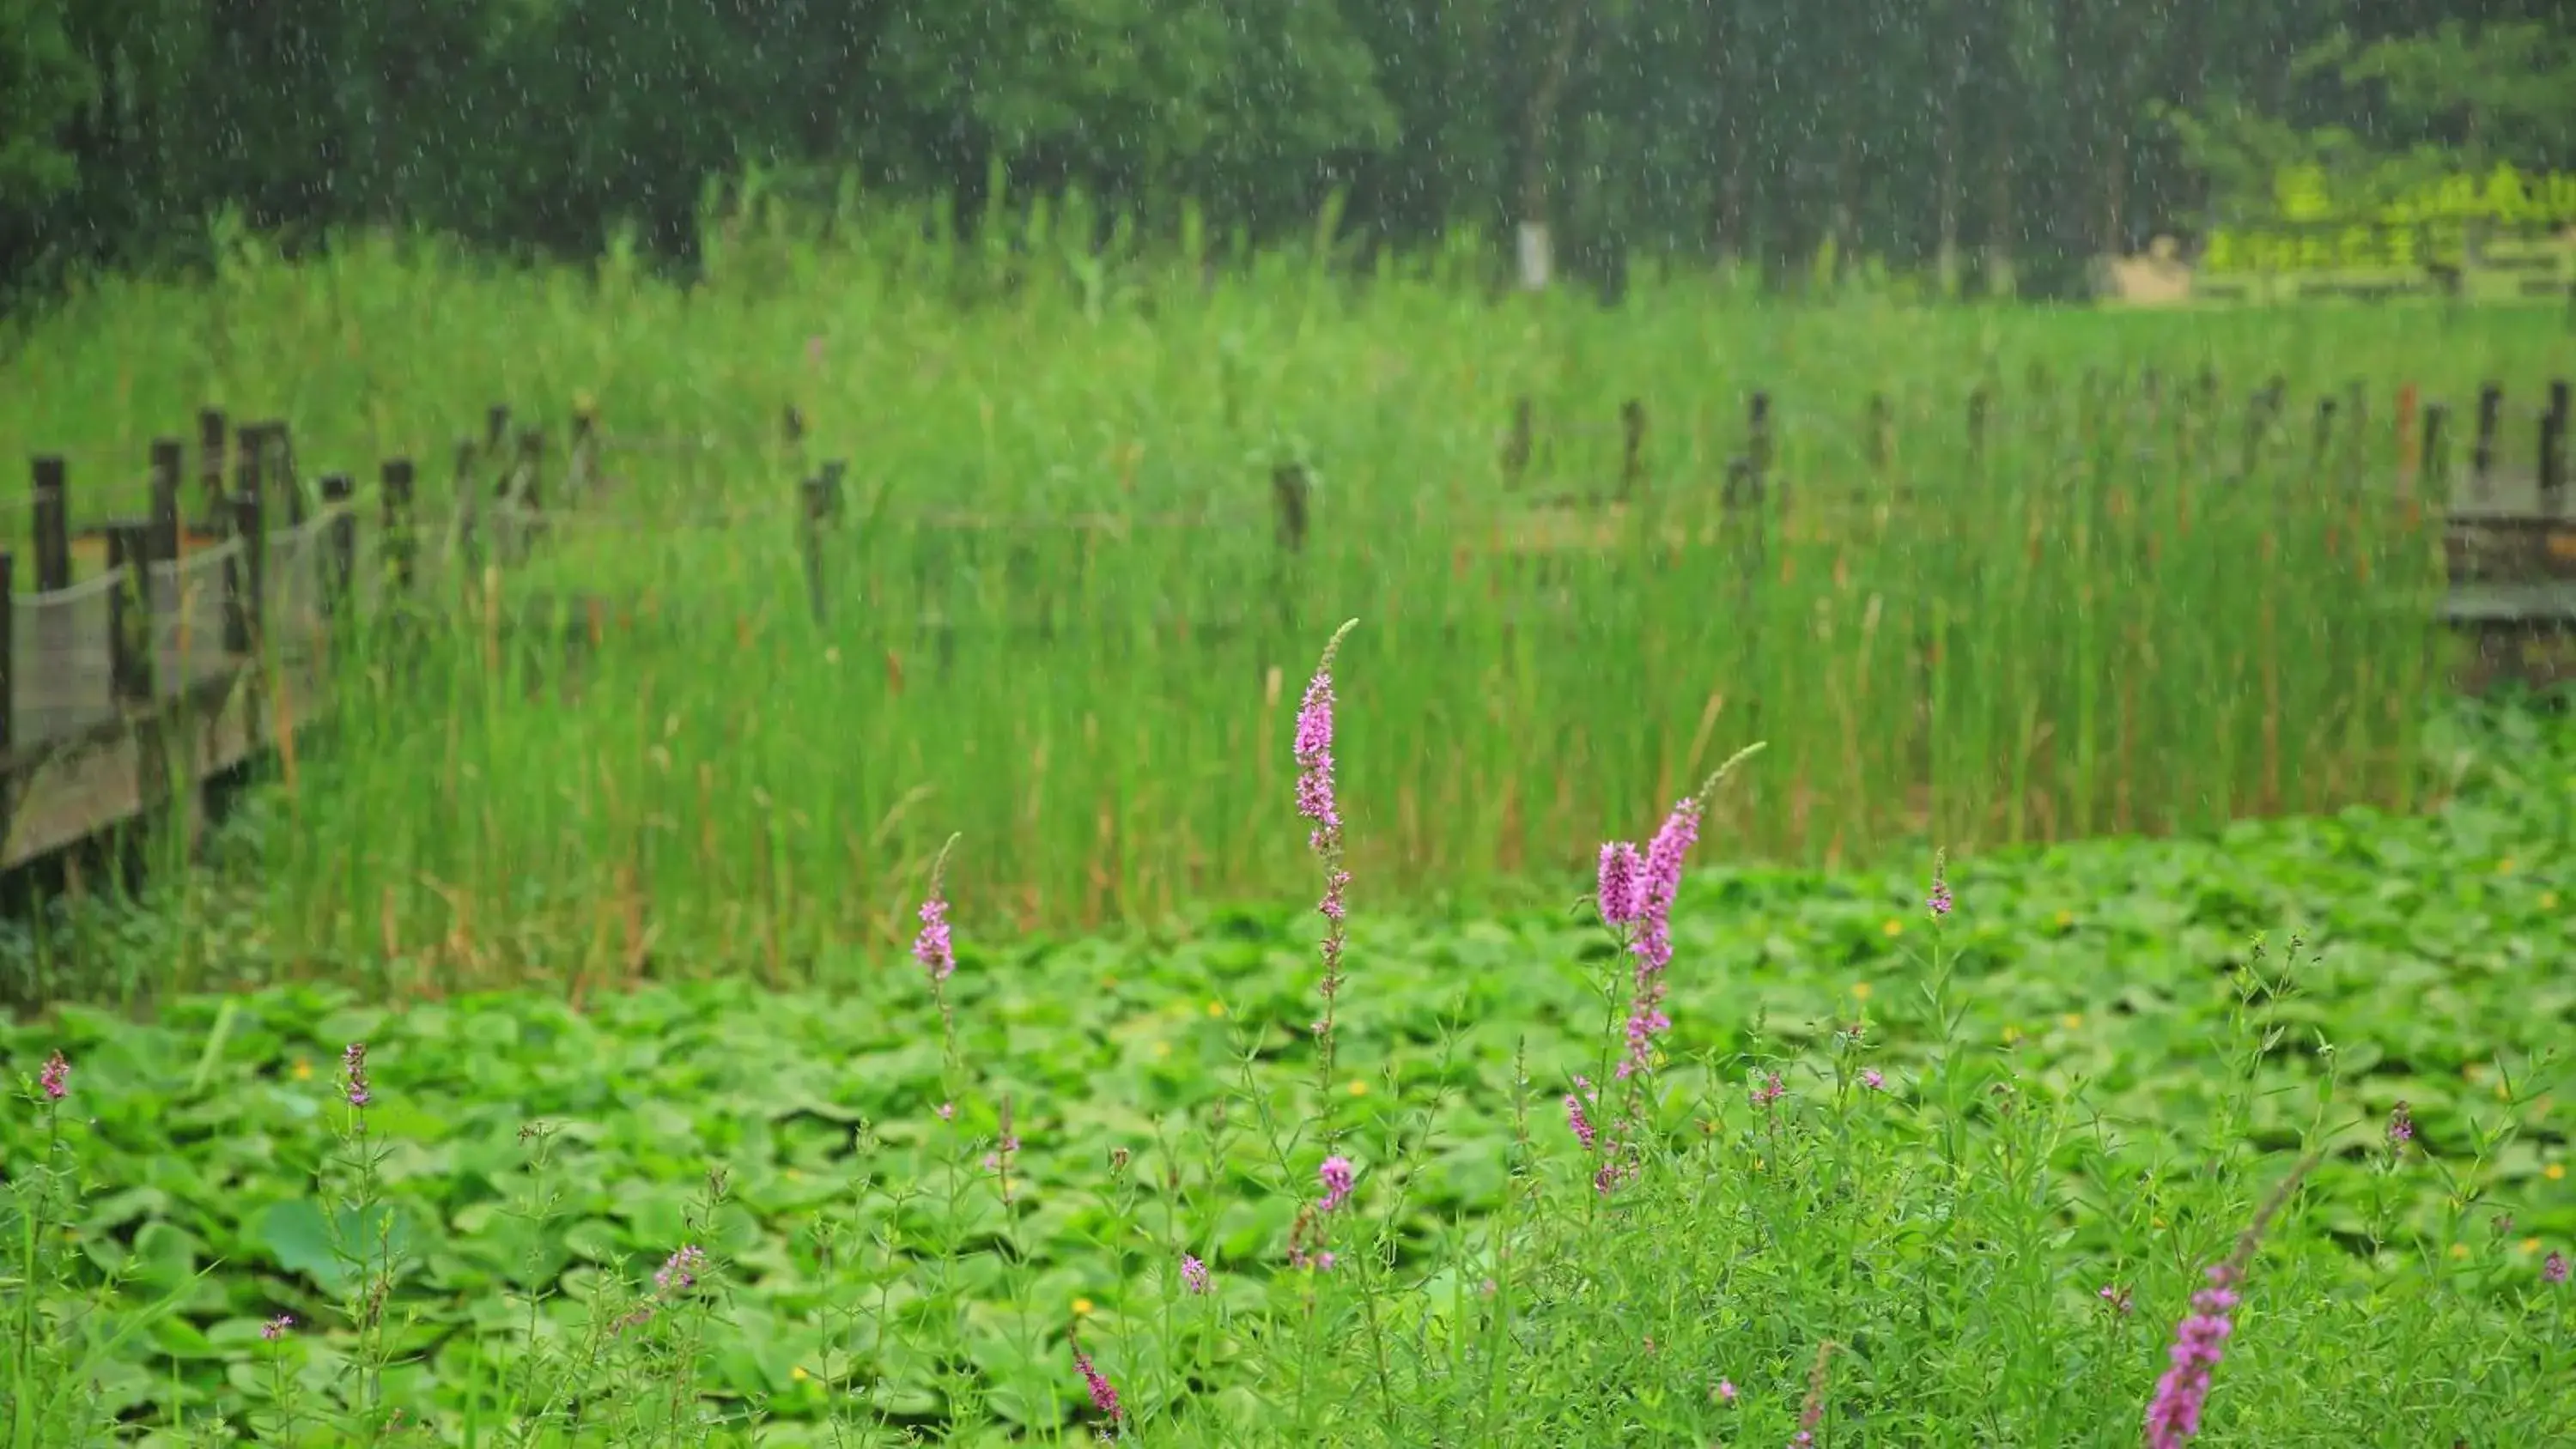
x=275, y=1328
x=54, y=1079
x=1622, y=892
x=679, y=1272
x=353, y=1075
x=1938, y=902
x=2401, y=1126
x=1337, y=1174
x=1104, y=1396
x=1870, y=1078
x=1652, y=944
x=933, y=947
x=2199, y=1342
x=1577, y=1119
x=1194, y=1274
x=1313, y=748
x=1768, y=1090
x=2553, y=1269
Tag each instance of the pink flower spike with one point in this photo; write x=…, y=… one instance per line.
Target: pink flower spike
x=1337, y=1175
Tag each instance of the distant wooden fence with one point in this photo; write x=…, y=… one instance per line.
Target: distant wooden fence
x=157, y=650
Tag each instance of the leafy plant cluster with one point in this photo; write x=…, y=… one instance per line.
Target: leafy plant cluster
x=1723, y=1155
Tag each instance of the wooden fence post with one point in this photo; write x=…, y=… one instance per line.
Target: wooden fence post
x=401, y=541
x=213, y=432
x=2482, y=455
x=339, y=577
x=2436, y=464
x=2553, y=448
x=1758, y=447
x=282, y=477
x=582, y=469
x=52, y=508
x=469, y=510
x=169, y=461
x=1632, y=447
x=1289, y=490
x=2408, y=419
x=8, y=651
x=246, y=574
x=129, y=649
x=812, y=493
x=1518, y=442
x=523, y=501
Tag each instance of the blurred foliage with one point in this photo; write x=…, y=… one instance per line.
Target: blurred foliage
x=1872, y=132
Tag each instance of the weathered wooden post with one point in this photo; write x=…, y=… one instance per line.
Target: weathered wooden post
x=340, y=570
x=1758, y=448
x=810, y=495
x=214, y=433
x=52, y=521
x=401, y=542
x=8, y=652
x=1632, y=447
x=129, y=649
x=524, y=501
x=282, y=477
x=2436, y=466
x=2553, y=449
x=246, y=572
x=1518, y=442
x=467, y=528
x=1290, y=492
x=2482, y=453
x=169, y=461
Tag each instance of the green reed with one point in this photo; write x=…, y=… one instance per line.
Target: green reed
x=1059, y=612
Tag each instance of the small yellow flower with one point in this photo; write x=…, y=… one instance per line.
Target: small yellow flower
x=303, y=1070
x=2459, y=1250
x=1357, y=1088
x=1893, y=928
x=1216, y=1008
x=2072, y=1021
x=1860, y=991
x=2012, y=1034
x=798, y=1373
x=2555, y=1172
x=2505, y=866
x=2531, y=1245
x=2065, y=919
x=1082, y=1308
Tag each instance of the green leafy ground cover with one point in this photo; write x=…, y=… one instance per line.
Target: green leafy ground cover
x=2082, y=1090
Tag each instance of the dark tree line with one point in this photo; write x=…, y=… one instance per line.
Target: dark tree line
x=1972, y=138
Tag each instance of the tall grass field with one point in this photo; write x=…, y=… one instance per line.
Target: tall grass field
x=963, y=973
